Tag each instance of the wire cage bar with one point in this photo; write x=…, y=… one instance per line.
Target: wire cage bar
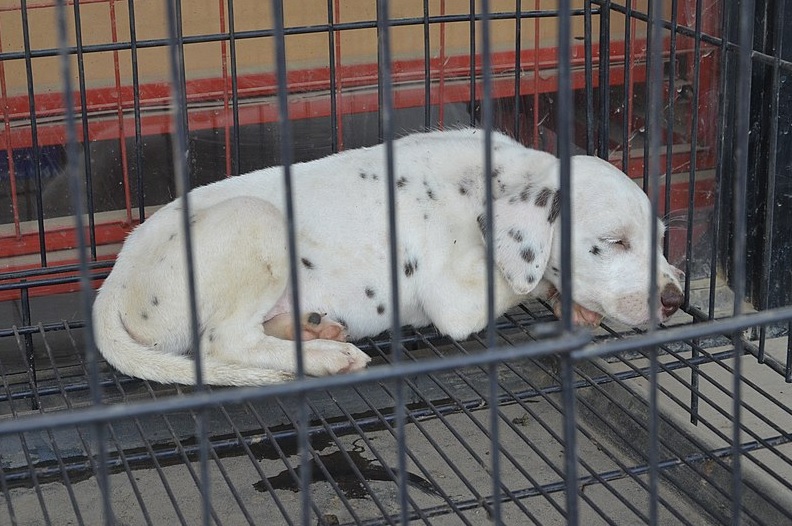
x=111, y=109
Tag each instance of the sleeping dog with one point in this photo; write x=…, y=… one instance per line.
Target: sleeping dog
x=142, y=317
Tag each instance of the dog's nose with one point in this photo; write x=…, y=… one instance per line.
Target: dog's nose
x=671, y=298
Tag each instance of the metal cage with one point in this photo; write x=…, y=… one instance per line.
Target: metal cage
x=532, y=421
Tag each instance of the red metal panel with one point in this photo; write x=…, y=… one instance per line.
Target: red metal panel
x=312, y=83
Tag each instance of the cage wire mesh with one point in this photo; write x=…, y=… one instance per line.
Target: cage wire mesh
x=111, y=109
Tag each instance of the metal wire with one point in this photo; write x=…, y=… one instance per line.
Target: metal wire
x=743, y=105
x=531, y=421
x=183, y=184
x=286, y=160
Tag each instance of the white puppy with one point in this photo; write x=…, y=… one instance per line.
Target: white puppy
x=141, y=315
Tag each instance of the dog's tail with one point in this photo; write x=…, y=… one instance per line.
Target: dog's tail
x=133, y=358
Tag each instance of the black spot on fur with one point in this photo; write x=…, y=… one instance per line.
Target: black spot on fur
x=555, y=208
x=496, y=171
x=172, y=237
x=466, y=184
x=554, y=269
x=307, y=263
x=211, y=335
x=369, y=292
x=528, y=254
x=410, y=267
x=343, y=323
x=155, y=301
x=363, y=175
x=144, y=315
x=516, y=235
x=595, y=250
x=426, y=217
x=523, y=196
x=314, y=318
x=530, y=278
x=402, y=182
x=482, y=223
x=525, y=193
x=380, y=309
x=543, y=197
x=429, y=192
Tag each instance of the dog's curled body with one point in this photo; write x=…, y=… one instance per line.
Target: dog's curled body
x=141, y=314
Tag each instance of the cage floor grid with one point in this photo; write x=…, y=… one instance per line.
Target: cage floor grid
x=49, y=476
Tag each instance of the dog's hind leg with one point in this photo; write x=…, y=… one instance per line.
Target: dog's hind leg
x=246, y=342
x=242, y=278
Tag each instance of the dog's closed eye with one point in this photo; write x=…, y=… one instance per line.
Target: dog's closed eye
x=621, y=243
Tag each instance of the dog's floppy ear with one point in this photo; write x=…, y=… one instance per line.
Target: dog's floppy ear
x=523, y=234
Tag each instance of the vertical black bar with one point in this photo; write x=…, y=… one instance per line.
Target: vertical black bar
x=85, y=139
x=180, y=153
x=565, y=122
x=386, y=111
x=86, y=293
x=694, y=118
x=652, y=177
x=183, y=82
x=604, y=79
x=694, y=130
x=628, y=94
x=332, y=58
x=486, y=122
x=34, y=133
x=235, y=169
x=772, y=151
x=427, y=69
x=588, y=51
x=517, y=66
x=788, y=367
x=721, y=154
x=286, y=144
x=742, y=112
x=472, y=33
x=670, y=115
x=30, y=353
x=136, y=109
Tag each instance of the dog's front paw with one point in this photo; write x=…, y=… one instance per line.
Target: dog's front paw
x=324, y=357
x=313, y=326
x=580, y=315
